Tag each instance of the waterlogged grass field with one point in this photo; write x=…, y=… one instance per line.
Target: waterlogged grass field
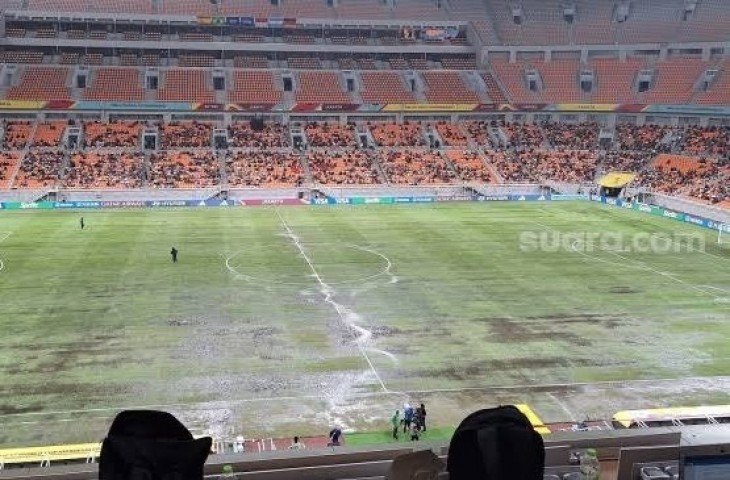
x=282, y=321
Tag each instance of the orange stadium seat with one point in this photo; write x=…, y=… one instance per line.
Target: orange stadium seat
x=112, y=134
x=675, y=79
x=342, y=168
x=264, y=169
x=111, y=84
x=39, y=169
x=452, y=134
x=254, y=87
x=41, y=83
x=330, y=135
x=205, y=61
x=321, y=87
x=8, y=164
x=187, y=86
x=478, y=132
x=184, y=169
x=470, y=166
x=385, y=87
x=614, y=80
x=273, y=135
x=186, y=7
x=560, y=81
x=17, y=134
x=540, y=165
x=105, y=170
x=514, y=79
x=494, y=91
x=523, y=134
x=21, y=56
x=407, y=134
x=416, y=167
x=719, y=91
x=49, y=134
x=188, y=134
x=448, y=87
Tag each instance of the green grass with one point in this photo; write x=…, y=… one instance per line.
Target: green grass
x=438, y=434
x=97, y=320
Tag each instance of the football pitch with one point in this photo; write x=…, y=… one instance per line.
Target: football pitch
x=277, y=321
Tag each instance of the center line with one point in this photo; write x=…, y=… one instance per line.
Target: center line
x=327, y=292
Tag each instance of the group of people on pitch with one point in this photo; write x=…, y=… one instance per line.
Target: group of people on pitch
x=413, y=422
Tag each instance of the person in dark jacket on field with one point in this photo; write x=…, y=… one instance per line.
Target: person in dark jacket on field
x=335, y=435
x=173, y=252
x=421, y=413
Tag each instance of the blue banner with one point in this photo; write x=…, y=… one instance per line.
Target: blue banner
x=413, y=200
x=513, y=198
x=329, y=201
x=661, y=212
x=563, y=197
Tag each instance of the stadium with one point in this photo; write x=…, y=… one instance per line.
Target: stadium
x=462, y=203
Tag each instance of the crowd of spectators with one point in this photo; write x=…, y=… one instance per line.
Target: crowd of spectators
x=273, y=135
x=478, y=130
x=264, y=169
x=416, y=167
x=105, y=170
x=49, y=134
x=39, y=168
x=707, y=180
x=8, y=162
x=112, y=134
x=579, y=136
x=522, y=135
x=624, y=161
x=342, y=168
x=184, y=170
x=532, y=153
x=330, y=135
x=646, y=137
x=451, y=134
x=470, y=166
x=17, y=135
x=406, y=134
x=713, y=141
x=186, y=134
x=563, y=165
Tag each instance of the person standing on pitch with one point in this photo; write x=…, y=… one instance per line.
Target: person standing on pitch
x=173, y=252
x=407, y=417
x=81, y=223
x=423, y=417
x=395, y=421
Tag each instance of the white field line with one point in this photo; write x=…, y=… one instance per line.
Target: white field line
x=668, y=275
x=385, y=270
x=628, y=384
x=637, y=265
x=4, y=237
x=347, y=316
x=690, y=247
x=563, y=407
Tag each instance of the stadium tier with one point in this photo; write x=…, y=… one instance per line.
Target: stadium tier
x=685, y=161
x=602, y=80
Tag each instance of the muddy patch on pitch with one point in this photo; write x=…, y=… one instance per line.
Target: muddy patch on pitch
x=519, y=369
x=509, y=330
x=624, y=290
